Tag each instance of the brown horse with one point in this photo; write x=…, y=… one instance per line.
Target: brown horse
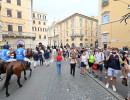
x=29, y=53
x=15, y=68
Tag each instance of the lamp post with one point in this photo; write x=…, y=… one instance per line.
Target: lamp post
x=54, y=36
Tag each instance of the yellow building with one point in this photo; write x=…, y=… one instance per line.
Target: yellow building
x=40, y=27
x=78, y=30
x=112, y=33
x=16, y=17
x=53, y=34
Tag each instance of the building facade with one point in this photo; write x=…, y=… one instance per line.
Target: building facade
x=78, y=30
x=113, y=33
x=16, y=17
x=39, y=27
x=53, y=34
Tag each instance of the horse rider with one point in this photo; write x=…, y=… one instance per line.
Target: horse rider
x=5, y=54
x=20, y=54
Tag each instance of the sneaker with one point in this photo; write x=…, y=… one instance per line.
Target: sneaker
x=114, y=88
x=107, y=85
x=95, y=76
x=122, y=77
x=100, y=78
x=105, y=76
x=111, y=78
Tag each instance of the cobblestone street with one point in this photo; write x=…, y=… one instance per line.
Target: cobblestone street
x=45, y=84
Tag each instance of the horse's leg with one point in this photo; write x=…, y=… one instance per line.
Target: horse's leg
x=25, y=75
x=7, y=93
x=30, y=72
x=18, y=80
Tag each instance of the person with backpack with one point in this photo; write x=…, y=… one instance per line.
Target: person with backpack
x=99, y=58
x=91, y=60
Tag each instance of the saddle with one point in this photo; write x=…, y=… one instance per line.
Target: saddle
x=27, y=64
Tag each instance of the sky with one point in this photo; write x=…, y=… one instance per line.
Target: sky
x=60, y=9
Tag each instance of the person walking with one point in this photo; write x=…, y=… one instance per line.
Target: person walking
x=99, y=59
x=114, y=61
x=91, y=60
x=41, y=58
x=84, y=62
x=58, y=63
x=46, y=55
x=35, y=58
x=73, y=62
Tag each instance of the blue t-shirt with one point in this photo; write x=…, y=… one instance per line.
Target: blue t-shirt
x=4, y=54
x=20, y=54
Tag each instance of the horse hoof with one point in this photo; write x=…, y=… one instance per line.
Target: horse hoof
x=20, y=86
x=7, y=94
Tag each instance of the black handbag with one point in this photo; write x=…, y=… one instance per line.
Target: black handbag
x=124, y=82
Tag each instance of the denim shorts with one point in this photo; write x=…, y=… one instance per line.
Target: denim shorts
x=112, y=72
x=122, y=65
x=100, y=67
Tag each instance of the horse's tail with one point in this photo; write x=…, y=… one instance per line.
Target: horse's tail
x=8, y=77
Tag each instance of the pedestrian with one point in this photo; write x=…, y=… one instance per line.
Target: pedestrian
x=46, y=56
x=73, y=62
x=58, y=63
x=35, y=58
x=99, y=58
x=114, y=61
x=59, y=51
x=91, y=60
x=64, y=54
x=84, y=62
x=41, y=58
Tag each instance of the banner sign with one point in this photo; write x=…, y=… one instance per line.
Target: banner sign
x=2, y=43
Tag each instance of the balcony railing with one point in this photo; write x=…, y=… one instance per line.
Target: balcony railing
x=18, y=34
x=77, y=35
x=105, y=3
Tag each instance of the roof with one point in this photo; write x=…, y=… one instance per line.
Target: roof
x=80, y=15
x=38, y=11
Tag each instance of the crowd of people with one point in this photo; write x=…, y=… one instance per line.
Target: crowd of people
x=112, y=60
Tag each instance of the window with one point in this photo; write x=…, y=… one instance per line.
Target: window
x=91, y=33
x=19, y=15
x=91, y=22
x=67, y=33
x=39, y=16
x=105, y=19
x=91, y=45
x=34, y=28
x=72, y=20
x=81, y=20
x=91, y=40
x=81, y=31
x=72, y=32
x=10, y=27
x=8, y=1
x=81, y=39
x=19, y=28
x=34, y=15
x=44, y=29
x=39, y=36
x=44, y=23
x=61, y=27
x=72, y=25
x=105, y=38
x=105, y=2
x=72, y=39
x=66, y=40
x=66, y=24
x=33, y=21
x=39, y=23
x=86, y=39
x=9, y=13
x=85, y=32
x=44, y=37
x=80, y=24
x=86, y=20
x=39, y=29
x=19, y=2
x=96, y=33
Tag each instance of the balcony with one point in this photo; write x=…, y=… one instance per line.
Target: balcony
x=77, y=35
x=18, y=34
x=105, y=3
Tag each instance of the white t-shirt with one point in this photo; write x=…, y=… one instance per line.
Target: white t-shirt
x=84, y=59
